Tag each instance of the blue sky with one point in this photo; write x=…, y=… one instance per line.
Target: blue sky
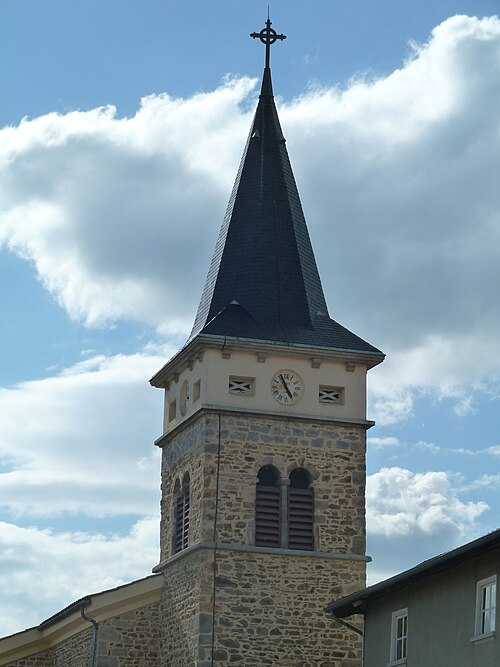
x=109, y=211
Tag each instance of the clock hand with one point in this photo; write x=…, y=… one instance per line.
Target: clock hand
x=285, y=385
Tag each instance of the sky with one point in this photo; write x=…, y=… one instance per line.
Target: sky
x=121, y=129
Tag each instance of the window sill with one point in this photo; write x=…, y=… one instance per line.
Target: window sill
x=398, y=663
x=480, y=638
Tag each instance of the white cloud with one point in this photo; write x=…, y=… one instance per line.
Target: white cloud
x=401, y=502
x=109, y=209
x=86, y=442
x=486, y=481
x=437, y=449
x=388, y=404
x=413, y=516
x=428, y=446
x=383, y=442
x=495, y=450
x=120, y=215
x=46, y=554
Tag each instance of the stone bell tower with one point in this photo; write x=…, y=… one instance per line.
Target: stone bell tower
x=263, y=469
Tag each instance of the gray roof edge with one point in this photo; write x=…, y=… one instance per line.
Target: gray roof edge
x=357, y=603
x=86, y=601
x=380, y=356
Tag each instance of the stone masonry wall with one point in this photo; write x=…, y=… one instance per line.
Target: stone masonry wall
x=72, y=652
x=42, y=659
x=187, y=623
x=333, y=453
x=130, y=640
x=183, y=454
x=269, y=606
x=269, y=611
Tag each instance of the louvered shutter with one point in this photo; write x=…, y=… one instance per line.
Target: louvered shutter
x=181, y=522
x=185, y=520
x=300, y=518
x=267, y=516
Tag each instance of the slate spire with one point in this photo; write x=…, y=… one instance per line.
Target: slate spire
x=263, y=283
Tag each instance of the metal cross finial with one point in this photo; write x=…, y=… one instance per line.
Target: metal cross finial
x=267, y=36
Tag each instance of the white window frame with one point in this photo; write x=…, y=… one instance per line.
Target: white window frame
x=486, y=606
x=399, y=640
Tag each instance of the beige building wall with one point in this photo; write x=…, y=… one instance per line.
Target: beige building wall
x=441, y=619
x=207, y=375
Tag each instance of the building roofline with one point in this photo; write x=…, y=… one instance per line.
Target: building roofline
x=357, y=603
x=199, y=343
x=68, y=621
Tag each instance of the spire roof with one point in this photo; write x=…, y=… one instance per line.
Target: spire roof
x=263, y=283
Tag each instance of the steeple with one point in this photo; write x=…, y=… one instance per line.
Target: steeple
x=264, y=437
x=263, y=283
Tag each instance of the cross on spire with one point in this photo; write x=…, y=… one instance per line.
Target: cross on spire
x=267, y=36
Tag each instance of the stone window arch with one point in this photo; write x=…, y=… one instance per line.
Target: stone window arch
x=181, y=514
x=268, y=508
x=300, y=510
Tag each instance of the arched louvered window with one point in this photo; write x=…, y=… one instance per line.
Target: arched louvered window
x=300, y=511
x=181, y=520
x=267, y=508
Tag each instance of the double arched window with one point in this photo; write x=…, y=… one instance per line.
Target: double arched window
x=181, y=514
x=284, y=509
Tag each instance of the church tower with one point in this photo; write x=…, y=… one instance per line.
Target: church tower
x=263, y=449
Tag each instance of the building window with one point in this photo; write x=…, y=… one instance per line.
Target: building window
x=399, y=635
x=284, y=510
x=181, y=519
x=267, y=508
x=300, y=511
x=486, y=605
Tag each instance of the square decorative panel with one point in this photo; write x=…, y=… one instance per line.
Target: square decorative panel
x=334, y=395
x=241, y=386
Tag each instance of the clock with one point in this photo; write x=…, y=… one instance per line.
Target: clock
x=184, y=397
x=287, y=387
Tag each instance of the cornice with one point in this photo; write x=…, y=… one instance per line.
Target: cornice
x=194, y=349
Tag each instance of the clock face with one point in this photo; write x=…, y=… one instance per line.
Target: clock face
x=287, y=387
x=184, y=397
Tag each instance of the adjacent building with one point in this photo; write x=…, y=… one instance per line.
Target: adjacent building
x=440, y=613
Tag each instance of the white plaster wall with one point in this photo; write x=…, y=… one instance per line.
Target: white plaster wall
x=214, y=370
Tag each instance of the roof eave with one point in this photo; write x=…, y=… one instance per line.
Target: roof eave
x=357, y=603
x=195, y=346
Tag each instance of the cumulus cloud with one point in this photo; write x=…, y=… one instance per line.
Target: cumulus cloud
x=114, y=211
x=486, y=481
x=86, y=442
x=401, y=502
x=412, y=516
x=52, y=584
x=383, y=442
x=120, y=215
